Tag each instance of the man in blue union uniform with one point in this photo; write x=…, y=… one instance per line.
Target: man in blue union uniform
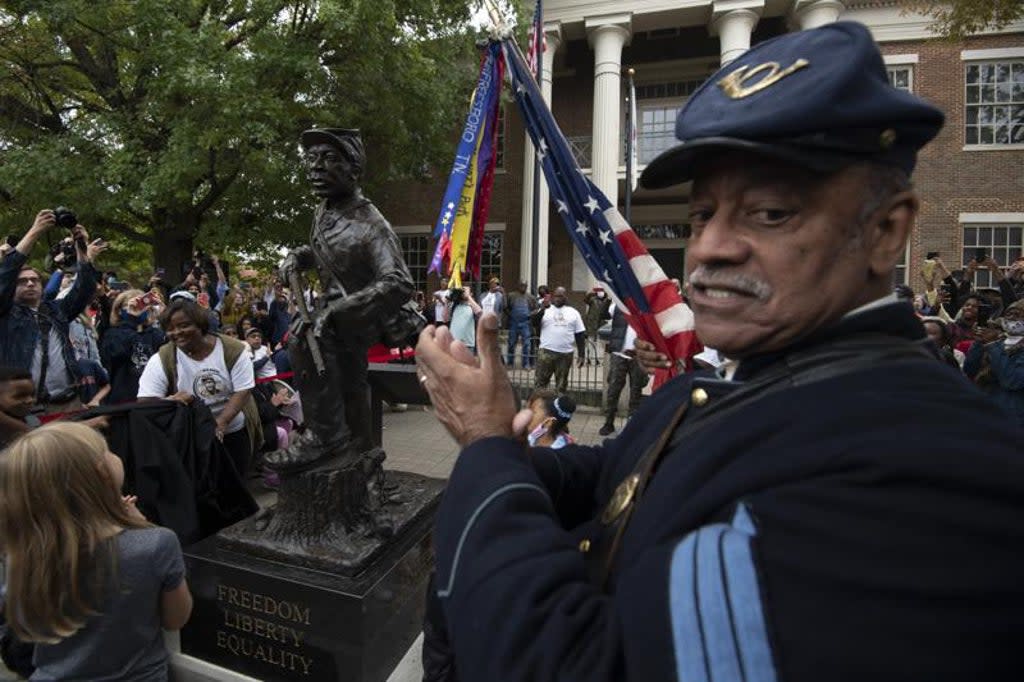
x=833, y=504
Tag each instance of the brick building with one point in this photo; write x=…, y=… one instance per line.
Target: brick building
x=971, y=178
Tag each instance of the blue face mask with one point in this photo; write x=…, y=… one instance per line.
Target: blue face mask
x=134, y=319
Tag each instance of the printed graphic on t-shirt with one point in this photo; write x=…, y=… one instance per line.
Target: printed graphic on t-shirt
x=140, y=356
x=210, y=385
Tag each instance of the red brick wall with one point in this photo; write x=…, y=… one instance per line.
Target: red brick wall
x=950, y=180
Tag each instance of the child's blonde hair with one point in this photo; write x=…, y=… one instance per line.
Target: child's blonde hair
x=123, y=299
x=59, y=514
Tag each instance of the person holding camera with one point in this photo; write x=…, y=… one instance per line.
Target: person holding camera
x=34, y=333
x=995, y=361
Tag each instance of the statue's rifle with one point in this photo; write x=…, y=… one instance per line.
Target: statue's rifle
x=300, y=301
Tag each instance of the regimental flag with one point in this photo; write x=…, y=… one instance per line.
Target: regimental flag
x=460, y=226
x=537, y=42
x=612, y=251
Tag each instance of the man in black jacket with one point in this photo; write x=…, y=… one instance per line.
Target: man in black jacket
x=832, y=505
x=622, y=365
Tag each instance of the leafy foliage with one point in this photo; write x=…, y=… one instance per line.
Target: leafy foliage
x=957, y=19
x=166, y=121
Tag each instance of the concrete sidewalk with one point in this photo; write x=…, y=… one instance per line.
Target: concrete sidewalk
x=416, y=441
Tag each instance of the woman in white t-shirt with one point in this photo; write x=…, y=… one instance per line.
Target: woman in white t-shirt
x=205, y=368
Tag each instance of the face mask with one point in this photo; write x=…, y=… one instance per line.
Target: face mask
x=1014, y=327
x=134, y=319
x=537, y=433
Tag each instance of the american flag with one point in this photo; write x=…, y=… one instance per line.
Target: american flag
x=538, y=42
x=612, y=251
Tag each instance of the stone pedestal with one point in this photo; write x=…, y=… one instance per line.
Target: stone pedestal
x=278, y=621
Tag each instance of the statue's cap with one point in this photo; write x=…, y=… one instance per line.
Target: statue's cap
x=336, y=137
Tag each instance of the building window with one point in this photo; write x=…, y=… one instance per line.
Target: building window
x=656, y=130
x=490, y=261
x=901, y=77
x=994, y=102
x=417, y=254
x=1004, y=243
x=658, y=105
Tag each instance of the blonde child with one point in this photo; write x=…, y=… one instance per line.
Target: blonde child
x=89, y=580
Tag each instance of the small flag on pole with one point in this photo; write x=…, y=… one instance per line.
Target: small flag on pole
x=537, y=42
x=612, y=251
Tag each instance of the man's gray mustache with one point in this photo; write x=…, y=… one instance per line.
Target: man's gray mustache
x=706, y=277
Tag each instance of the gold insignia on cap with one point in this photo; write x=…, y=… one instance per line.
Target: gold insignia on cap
x=733, y=84
x=621, y=499
x=584, y=545
x=699, y=397
x=887, y=137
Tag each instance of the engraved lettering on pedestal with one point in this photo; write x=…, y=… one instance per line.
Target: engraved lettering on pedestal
x=252, y=636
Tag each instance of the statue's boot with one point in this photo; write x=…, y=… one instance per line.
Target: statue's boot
x=304, y=452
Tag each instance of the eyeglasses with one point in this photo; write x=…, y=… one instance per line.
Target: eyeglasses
x=28, y=280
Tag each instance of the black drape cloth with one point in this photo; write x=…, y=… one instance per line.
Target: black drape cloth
x=173, y=462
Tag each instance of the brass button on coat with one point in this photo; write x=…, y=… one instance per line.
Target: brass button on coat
x=699, y=397
x=584, y=545
x=621, y=499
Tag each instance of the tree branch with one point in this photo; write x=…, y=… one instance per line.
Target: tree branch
x=121, y=228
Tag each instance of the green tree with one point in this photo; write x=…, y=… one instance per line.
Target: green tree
x=957, y=19
x=171, y=121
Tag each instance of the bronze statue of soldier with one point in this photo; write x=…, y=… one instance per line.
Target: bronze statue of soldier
x=366, y=291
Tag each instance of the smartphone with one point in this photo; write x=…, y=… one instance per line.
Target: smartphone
x=932, y=255
x=980, y=255
x=118, y=286
x=160, y=272
x=149, y=298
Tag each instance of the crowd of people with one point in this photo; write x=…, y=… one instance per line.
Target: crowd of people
x=75, y=336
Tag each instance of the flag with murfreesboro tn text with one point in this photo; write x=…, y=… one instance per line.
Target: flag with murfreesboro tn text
x=460, y=226
x=612, y=251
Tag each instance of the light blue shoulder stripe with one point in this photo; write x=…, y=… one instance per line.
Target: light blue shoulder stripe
x=718, y=625
x=472, y=519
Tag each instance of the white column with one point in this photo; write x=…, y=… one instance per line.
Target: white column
x=526, y=240
x=607, y=35
x=733, y=21
x=815, y=13
x=553, y=33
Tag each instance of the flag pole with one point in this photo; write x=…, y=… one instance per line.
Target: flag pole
x=630, y=124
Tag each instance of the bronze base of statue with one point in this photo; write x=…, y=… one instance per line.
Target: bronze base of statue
x=337, y=516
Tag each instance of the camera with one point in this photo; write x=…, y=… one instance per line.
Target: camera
x=65, y=217
x=64, y=253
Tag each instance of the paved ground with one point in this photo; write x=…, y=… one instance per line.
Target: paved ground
x=415, y=441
